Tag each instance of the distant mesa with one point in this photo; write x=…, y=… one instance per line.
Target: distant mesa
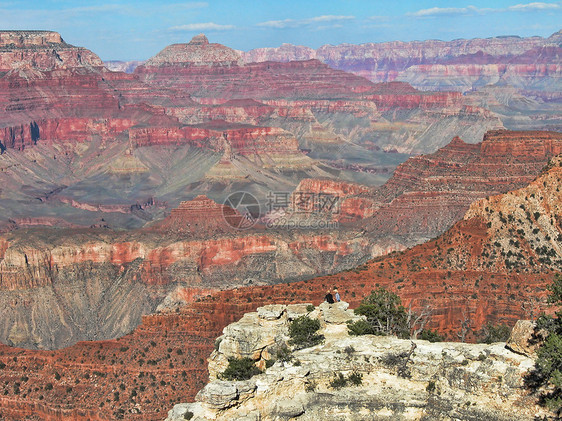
x=29, y=39
x=198, y=52
x=42, y=50
x=200, y=215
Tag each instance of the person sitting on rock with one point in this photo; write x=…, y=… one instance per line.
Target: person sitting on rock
x=329, y=298
x=337, y=295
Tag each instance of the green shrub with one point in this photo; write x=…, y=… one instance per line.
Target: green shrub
x=310, y=308
x=303, y=334
x=239, y=369
x=430, y=335
x=338, y=381
x=355, y=378
x=547, y=374
x=360, y=327
x=385, y=315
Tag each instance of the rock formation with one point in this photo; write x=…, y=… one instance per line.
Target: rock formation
x=195, y=247
x=452, y=65
x=429, y=193
x=398, y=379
x=42, y=50
x=198, y=52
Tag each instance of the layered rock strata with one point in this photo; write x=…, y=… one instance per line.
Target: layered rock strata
x=399, y=379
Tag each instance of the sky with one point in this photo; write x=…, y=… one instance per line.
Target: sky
x=138, y=29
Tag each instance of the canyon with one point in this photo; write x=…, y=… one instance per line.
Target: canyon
x=198, y=245
x=463, y=64
x=469, y=276
x=120, y=261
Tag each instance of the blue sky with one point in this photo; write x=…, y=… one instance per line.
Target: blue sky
x=138, y=29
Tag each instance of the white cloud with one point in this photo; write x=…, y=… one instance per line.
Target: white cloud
x=286, y=23
x=535, y=6
x=207, y=26
x=469, y=10
x=328, y=18
x=436, y=11
x=292, y=23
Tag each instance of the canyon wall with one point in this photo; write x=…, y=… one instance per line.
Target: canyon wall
x=45, y=49
x=451, y=65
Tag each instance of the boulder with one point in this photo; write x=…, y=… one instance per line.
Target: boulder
x=288, y=409
x=336, y=313
x=271, y=312
x=523, y=338
x=218, y=395
x=297, y=310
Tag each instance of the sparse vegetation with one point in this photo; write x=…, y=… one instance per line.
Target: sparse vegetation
x=240, y=369
x=430, y=388
x=349, y=350
x=547, y=375
x=340, y=380
x=310, y=386
x=494, y=333
x=284, y=354
x=384, y=314
x=430, y=335
x=303, y=332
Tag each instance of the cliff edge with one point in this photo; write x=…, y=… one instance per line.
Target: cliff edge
x=387, y=378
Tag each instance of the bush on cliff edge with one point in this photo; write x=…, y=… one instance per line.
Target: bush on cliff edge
x=548, y=366
x=303, y=332
x=385, y=315
x=240, y=369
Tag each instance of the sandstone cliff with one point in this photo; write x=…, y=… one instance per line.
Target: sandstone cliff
x=400, y=379
x=42, y=50
x=429, y=193
x=453, y=65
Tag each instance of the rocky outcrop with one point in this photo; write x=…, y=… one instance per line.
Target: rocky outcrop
x=42, y=50
x=198, y=52
x=306, y=80
x=447, y=182
x=398, y=379
x=200, y=215
x=524, y=338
